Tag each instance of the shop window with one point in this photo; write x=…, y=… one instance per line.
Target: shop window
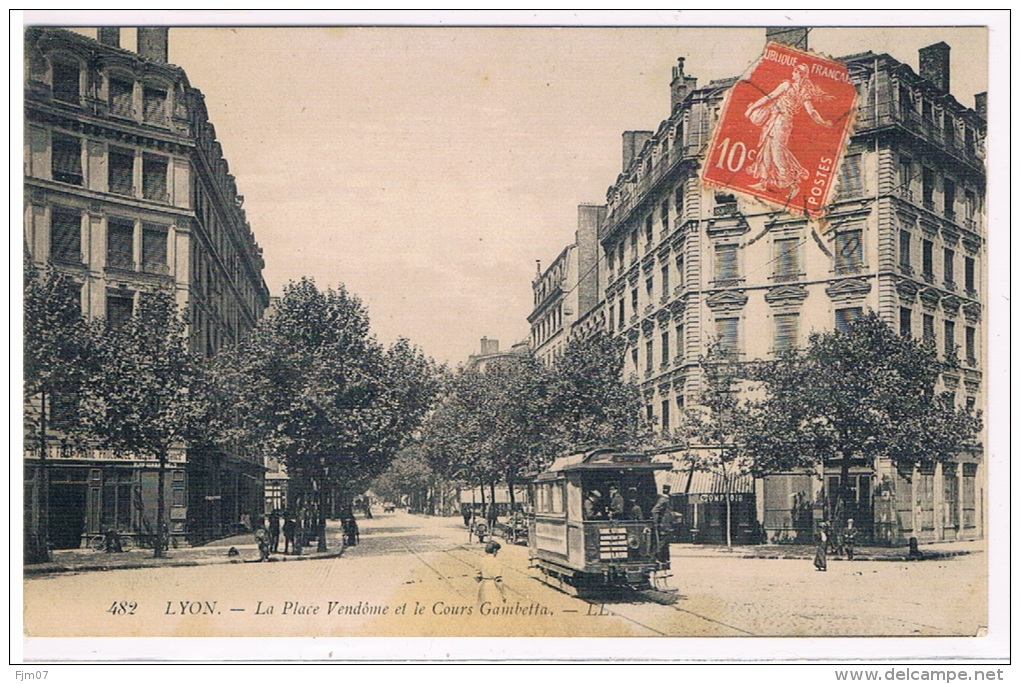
x=122, y=171
x=120, y=243
x=66, y=82
x=66, y=159
x=65, y=235
x=154, y=178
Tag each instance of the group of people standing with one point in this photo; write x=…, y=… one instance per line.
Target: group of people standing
x=844, y=542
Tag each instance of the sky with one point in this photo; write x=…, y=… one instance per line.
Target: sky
x=429, y=168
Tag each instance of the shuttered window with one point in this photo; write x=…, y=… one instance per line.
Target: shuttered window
x=154, y=105
x=906, y=317
x=664, y=216
x=665, y=281
x=120, y=243
x=65, y=235
x=948, y=272
x=849, y=254
x=122, y=98
x=122, y=171
x=905, y=239
x=727, y=333
x=851, y=182
x=154, y=184
x=680, y=342
x=665, y=415
x=649, y=356
x=970, y=338
x=928, y=328
x=66, y=159
x=844, y=317
x=726, y=262
x=119, y=307
x=968, y=273
x=950, y=335
x=787, y=263
x=927, y=260
x=154, y=248
x=787, y=326
x=665, y=346
x=66, y=82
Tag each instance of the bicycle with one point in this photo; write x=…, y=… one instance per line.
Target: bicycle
x=112, y=542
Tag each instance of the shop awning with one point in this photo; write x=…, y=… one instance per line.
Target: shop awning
x=689, y=481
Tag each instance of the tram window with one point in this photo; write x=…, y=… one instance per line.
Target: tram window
x=550, y=497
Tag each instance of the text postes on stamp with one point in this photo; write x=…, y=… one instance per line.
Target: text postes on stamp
x=782, y=130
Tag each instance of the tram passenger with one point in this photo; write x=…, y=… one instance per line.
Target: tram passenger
x=617, y=507
x=594, y=508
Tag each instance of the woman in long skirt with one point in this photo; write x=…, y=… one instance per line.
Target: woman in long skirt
x=823, y=542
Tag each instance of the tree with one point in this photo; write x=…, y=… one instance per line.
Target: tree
x=863, y=393
x=57, y=344
x=715, y=430
x=312, y=385
x=139, y=395
x=591, y=401
x=408, y=477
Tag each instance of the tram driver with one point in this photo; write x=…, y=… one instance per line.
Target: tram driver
x=594, y=506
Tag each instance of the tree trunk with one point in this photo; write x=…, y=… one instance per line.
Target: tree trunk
x=510, y=487
x=43, y=532
x=321, y=521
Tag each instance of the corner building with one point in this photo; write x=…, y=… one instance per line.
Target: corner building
x=904, y=235
x=127, y=190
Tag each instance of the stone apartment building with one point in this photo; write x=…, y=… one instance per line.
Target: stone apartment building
x=126, y=190
x=905, y=236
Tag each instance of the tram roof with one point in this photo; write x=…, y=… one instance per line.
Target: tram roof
x=597, y=459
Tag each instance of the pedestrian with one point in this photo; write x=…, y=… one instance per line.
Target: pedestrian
x=350, y=529
x=849, y=538
x=617, y=507
x=820, y=551
x=466, y=512
x=262, y=539
x=289, y=530
x=274, y=532
x=662, y=516
x=593, y=508
x=490, y=577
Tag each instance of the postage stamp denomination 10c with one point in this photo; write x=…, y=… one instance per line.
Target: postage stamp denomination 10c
x=783, y=129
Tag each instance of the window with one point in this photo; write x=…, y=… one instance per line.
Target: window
x=122, y=171
x=154, y=186
x=649, y=356
x=927, y=260
x=950, y=335
x=905, y=238
x=649, y=287
x=65, y=235
x=928, y=188
x=648, y=231
x=844, y=317
x=680, y=270
x=612, y=318
x=118, y=308
x=664, y=216
x=786, y=265
x=633, y=358
x=851, y=182
x=154, y=248
x=120, y=243
x=66, y=159
x=154, y=105
x=906, y=316
x=928, y=328
x=906, y=177
x=622, y=313
x=680, y=401
x=665, y=415
x=66, y=82
x=650, y=414
x=665, y=346
x=949, y=199
x=680, y=340
x=786, y=326
x=611, y=260
x=633, y=246
x=969, y=207
x=665, y=281
x=948, y=257
x=620, y=257
x=726, y=263
x=727, y=332
x=968, y=273
x=633, y=302
x=678, y=201
x=970, y=340
x=849, y=252
x=122, y=96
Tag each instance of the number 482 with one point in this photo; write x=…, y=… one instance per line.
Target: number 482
x=122, y=608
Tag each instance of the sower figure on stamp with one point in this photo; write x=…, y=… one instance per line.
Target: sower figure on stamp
x=775, y=166
x=662, y=516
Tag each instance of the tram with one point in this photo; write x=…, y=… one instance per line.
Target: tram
x=578, y=540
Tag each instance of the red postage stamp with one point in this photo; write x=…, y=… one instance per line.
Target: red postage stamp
x=782, y=130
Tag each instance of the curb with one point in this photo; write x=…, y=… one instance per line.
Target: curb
x=49, y=568
x=925, y=556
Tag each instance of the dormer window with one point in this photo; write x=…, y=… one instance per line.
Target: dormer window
x=66, y=82
x=154, y=105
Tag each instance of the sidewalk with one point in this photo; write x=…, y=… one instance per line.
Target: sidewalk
x=931, y=551
x=87, y=560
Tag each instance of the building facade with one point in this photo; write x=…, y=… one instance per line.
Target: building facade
x=904, y=235
x=126, y=191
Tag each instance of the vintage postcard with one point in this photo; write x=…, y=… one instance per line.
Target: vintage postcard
x=385, y=337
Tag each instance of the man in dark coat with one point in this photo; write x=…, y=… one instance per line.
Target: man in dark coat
x=617, y=506
x=662, y=516
x=274, y=532
x=289, y=532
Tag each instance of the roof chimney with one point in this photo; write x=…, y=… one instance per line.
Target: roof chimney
x=153, y=42
x=795, y=36
x=934, y=65
x=109, y=35
x=490, y=346
x=981, y=105
x=633, y=141
x=680, y=85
